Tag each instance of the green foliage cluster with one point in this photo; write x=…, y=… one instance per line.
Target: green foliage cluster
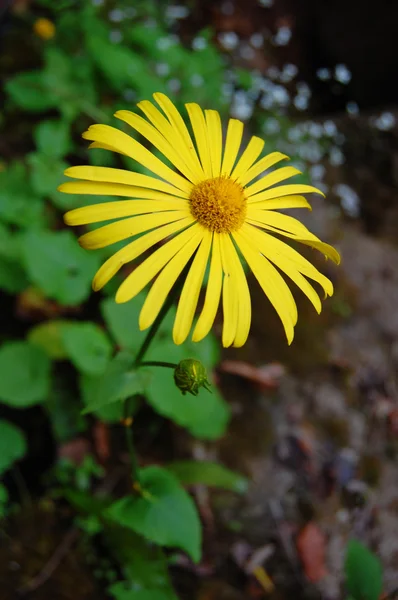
x=73, y=353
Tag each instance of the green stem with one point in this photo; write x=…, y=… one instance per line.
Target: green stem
x=158, y=363
x=139, y=362
x=156, y=324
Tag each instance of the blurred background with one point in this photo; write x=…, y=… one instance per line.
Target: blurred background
x=307, y=433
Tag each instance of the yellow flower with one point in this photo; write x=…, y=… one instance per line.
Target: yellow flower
x=44, y=29
x=210, y=211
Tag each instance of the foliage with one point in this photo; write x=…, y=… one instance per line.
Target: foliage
x=73, y=354
x=363, y=572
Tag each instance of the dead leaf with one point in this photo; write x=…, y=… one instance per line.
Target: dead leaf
x=101, y=441
x=311, y=547
x=266, y=376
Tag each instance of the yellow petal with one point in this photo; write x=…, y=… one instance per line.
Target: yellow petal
x=181, y=130
x=166, y=279
x=229, y=293
x=116, y=210
x=213, y=123
x=191, y=290
x=279, y=220
x=262, y=165
x=161, y=143
x=213, y=293
x=147, y=270
x=199, y=128
x=271, y=179
x=232, y=145
x=135, y=249
x=250, y=154
x=297, y=231
x=115, y=189
x=272, y=247
x=285, y=261
x=272, y=283
x=243, y=318
x=102, y=146
x=284, y=190
x=109, y=135
x=120, y=176
x=121, y=230
x=286, y=202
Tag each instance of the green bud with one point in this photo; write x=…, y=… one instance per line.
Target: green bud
x=190, y=375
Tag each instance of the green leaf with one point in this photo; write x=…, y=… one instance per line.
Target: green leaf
x=52, y=138
x=12, y=445
x=12, y=277
x=205, y=416
x=164, y=514
x=47, y=173
x=19, y=205
x=89, y=388
x=87, y=345
x=24, y=374
x=118, y=382
x=122, y=322
x=121, y=66
x=144, y=564
x=30, y=92
x=191, y=472
x=119, y=591
x=48, y=336
x=363, y=571
x=58, y=266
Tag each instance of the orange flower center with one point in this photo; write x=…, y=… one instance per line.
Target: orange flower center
x=219, y=204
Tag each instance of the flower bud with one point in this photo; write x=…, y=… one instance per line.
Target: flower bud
x=190, y=375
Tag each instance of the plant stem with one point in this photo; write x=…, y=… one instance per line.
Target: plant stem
x=156, y=324
x=158, y=363
x=139, y=362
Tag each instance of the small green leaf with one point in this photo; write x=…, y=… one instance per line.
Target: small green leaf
x=109, y=413
x=46, y=175
x=56, y=263
x=87, y=345
x=164, y=514
x=48, y=336
x=363, y=571
x=24, y=374
x=118, y=382
x=12, y=445
x=30, y=92
x=52, y=138
x=145, y=566
x=191, y=472
x=206, y=415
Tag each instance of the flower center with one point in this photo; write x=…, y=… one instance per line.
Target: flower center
x=218, y=204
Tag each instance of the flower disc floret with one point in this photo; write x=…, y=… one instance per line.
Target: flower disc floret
x=219, y=204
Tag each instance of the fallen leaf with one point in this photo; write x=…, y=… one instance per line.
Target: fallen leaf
x=311, y=547
x=266, y=376
x=101, y=440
